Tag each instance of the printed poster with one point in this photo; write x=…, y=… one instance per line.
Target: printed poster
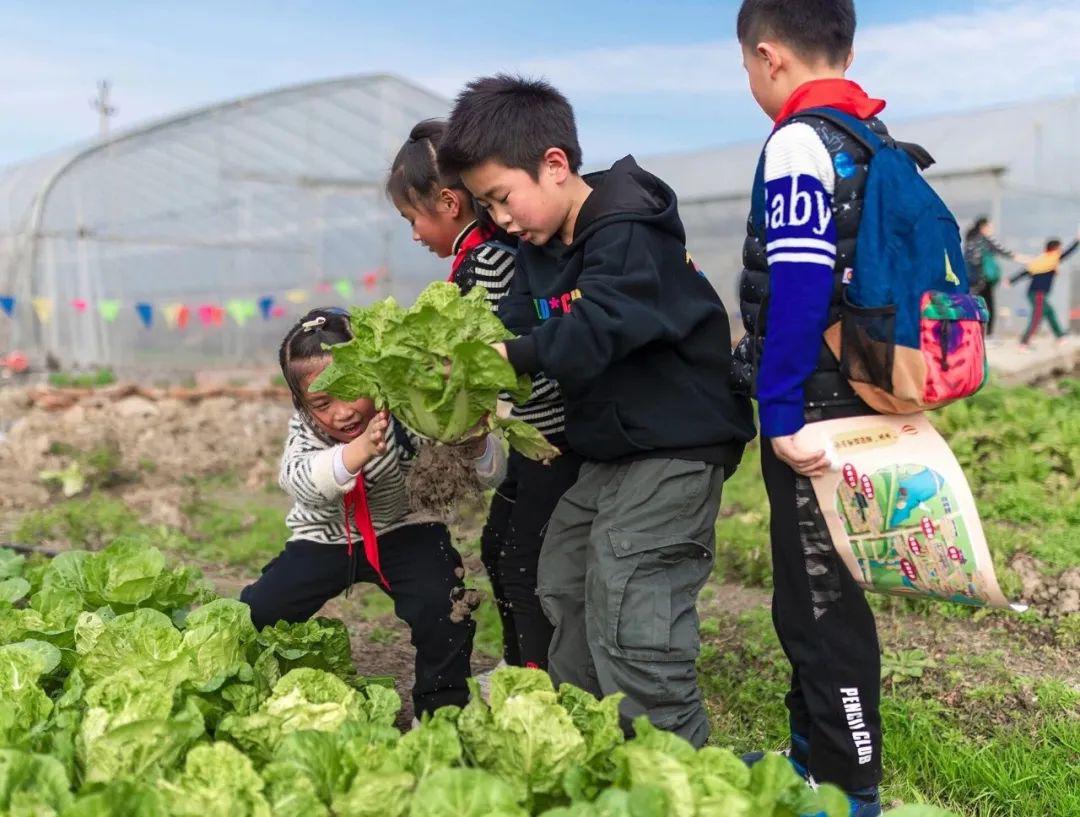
x=900, y=512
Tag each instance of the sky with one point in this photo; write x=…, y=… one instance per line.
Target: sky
x=644, y=77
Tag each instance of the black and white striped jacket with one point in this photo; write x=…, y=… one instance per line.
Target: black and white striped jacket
x=318, y=512
x=307, y=475
x=489, y=264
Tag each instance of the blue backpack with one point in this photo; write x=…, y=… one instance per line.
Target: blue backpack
x=911, y=336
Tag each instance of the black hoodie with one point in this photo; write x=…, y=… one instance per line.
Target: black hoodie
x=632, y=331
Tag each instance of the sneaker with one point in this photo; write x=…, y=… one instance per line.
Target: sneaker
x=861, y=802
x=1064, y=340
x=800, y=748
x=865, y=802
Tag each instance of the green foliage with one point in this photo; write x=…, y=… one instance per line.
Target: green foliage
x=898, y=666
x=88, y=522
x=1020, y=448
x=125, y=689
x=955, y=739
x=232, y=529
x=83, y=380
x=398, y=358
x=98, y=468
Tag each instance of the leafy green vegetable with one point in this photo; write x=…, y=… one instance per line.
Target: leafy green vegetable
x=120, y=798
x=32, y=784
x=525, y=737
x=320, y=643
x=117, y=699
x=24, y=706
x=397, y=357
x=218, y=781
x=464, y=793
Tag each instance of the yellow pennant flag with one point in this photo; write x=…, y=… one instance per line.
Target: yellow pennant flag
x=172, y=313
x=296, y=296
x=43, y=308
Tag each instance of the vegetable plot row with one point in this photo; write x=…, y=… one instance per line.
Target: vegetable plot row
x=127, y=688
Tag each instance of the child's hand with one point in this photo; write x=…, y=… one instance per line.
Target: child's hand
x=370, y=444
x=501, y=349
x=805, y=461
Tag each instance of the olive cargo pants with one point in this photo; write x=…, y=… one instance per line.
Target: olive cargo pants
x=627, y=550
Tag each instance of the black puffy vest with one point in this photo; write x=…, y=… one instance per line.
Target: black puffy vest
x=826, y=386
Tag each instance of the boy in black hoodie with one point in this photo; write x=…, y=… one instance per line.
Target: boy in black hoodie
x=607, y=301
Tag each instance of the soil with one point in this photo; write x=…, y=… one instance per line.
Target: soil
x=157, y=449
x=443, y=482
x=1054, y=595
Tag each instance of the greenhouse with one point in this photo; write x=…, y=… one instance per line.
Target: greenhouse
x=191, y=239
x=181, y=241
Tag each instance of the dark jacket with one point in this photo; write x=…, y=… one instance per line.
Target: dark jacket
x=632, y=331
x=827, y=388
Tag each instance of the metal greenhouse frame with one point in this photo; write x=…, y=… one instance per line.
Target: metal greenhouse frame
x=150, y=246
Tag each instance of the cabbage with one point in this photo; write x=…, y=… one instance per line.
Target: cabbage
x=398, y=358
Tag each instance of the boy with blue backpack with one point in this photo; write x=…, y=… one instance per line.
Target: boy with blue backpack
x=854, y=298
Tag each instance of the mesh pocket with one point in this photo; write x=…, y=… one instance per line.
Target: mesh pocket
x=867, y=344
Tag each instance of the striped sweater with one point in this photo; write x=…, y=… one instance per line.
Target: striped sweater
x=308, y=475
x=481, y=261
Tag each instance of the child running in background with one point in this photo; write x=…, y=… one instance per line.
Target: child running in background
x=1042, y=271
x=345, y=467
x=443, y=218
x=981, y=253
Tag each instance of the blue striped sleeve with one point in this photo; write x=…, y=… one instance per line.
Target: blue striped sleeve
x=801, y=246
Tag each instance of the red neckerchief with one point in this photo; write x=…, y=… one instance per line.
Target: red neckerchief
x=841, y=94
x=356, y=501
x=468, y=240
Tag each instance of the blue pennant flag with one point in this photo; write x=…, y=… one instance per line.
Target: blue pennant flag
x=7, y=303
x=146, y=313
x=266, y=306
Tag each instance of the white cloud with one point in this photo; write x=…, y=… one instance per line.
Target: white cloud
x=945, y=61
x=1002, y=51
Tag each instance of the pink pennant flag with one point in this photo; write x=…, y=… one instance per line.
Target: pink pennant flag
x=80, y=305
x=210, y=315
x=277, y=312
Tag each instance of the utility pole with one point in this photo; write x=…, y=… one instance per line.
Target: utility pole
x=100, y=103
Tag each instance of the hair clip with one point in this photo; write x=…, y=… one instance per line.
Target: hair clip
x=313, y=324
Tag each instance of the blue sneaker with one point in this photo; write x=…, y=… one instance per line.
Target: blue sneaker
x=865, y=802
x=797, y=755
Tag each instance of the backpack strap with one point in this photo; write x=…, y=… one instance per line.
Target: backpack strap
x=858, y=130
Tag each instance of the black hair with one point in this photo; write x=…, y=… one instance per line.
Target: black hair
x=304, y=343
x=511, y=120
x=976, y=227
x=1053, y=244
x=812, y=28
x=415, y=176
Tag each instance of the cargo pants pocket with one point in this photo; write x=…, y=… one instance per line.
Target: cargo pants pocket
x=651, y=589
